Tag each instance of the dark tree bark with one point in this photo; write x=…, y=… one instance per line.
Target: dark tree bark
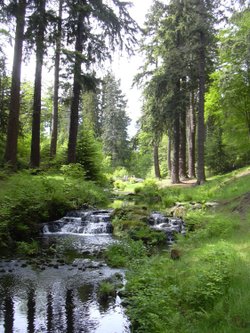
x=201, y=124
x=183, y=146
x=54, y=132
x=176, y=145
x=36, y=116
x=77, y=87
x=169, y=153
x=8, y=305
x=175, y=178
x=156, y=161
x=191, y=128
x=13, y=122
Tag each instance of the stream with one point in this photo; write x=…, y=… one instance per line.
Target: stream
x=49, y=295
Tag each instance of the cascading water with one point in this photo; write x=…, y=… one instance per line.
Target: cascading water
x=81, y=222
x=169, y=225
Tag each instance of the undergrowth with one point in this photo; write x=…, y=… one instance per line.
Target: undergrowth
x=27, y=200
x=207, y=289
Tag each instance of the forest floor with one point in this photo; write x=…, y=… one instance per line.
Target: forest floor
x=192, y=182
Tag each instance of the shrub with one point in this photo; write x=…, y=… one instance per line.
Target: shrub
x=106, y=290
x=89, y=153
x=148, y=236
x=120, y=185
x=74, y=170
x=30, y=249
x=120, y=172
x=121, y=254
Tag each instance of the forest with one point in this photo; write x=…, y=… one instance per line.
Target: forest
x=65, y=146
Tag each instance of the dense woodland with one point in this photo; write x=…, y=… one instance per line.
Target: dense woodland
x=65, y=146
x=194, y=77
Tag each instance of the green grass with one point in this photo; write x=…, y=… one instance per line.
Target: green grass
x=217, y=187
x=208, y=289
x=27, y=200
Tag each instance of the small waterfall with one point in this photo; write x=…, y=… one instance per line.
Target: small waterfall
x=81, y=222
x=170, y=225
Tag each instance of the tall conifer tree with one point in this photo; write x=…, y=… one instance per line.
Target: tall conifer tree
x=13, y=123
x=115, y=121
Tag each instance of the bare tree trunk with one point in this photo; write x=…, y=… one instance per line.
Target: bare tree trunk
x=191, y=128
x=169, y=152
x=13, y=122
x=156, y=161
x=183, y=146
x=201, y=124
x=36, y=117
x=176, y=145
x=74, y=112
x=54, y=133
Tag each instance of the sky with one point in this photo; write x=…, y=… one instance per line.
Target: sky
x=126, y=68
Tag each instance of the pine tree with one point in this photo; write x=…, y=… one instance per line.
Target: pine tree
x=54, y=131
x=13, y=122
x=115, y=28
x=115, y=121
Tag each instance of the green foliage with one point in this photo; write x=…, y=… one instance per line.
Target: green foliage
x=227, y=102
x=208, y=226
x=120, y=172
x=28, y=249
x=89, y=154
x=206, y=290
x=131, y=222
x=120, y=185
x=148, y=236
x=115, y=122
x=148, y=193
x=74, y=170
x=26, y=200
x=141, y=157
x=122, y=253
x=217, y=159
x=106, y=290
x=168, y=297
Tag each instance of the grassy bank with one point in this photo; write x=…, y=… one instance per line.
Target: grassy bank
x=27, y=199
x=208, y=288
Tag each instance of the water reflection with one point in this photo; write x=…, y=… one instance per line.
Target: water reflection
x=49, y=312
x=31, y=305
x=8, y=314
x=57, y=300
x=70, y=311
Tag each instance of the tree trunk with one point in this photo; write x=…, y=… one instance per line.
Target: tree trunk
x=77, y=87
x=183, y=146
x=13, y=122
x=54, y=133
x=191, y=127
x=175, y=178
x=36, y=117
x=200, y=124
x=176, y=145
x=169, y=153
x=156, y=161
